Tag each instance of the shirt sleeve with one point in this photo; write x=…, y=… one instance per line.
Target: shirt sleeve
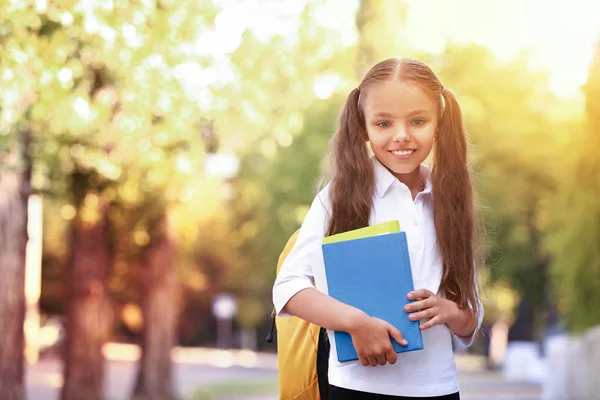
x=468, y=341
x=296, y=273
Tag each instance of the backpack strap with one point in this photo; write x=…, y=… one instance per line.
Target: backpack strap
x=286, y=250
x=271, y=332
x=323, y=364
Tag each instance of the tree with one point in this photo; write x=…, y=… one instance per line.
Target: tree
x=270, y=129
x=576, y=263
x=89, y=319
x=515, y=145
x=160, y=284
x=287, y=188
x=109, y=113
x=89, y=314
x=15, y=186
x=40, y=64
x=15, y=173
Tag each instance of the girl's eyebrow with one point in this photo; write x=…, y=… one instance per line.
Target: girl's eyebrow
x=419, y=111
x=384, y=114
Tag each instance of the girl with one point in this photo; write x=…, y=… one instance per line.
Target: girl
x=403, y=111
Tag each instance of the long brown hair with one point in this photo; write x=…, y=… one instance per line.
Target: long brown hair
x=352, y=181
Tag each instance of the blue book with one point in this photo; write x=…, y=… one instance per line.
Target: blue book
x=374, y=275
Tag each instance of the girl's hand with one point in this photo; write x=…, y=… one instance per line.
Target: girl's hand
x=371, y=339
x=438, y=309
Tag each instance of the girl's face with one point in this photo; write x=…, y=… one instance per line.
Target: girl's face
x=401, y=123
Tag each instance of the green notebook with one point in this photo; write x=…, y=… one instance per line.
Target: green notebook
x=373, y=230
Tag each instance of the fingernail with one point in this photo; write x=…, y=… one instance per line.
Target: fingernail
x=410, y=296
x=406, y=308
x=404, y=342
x=411, y=317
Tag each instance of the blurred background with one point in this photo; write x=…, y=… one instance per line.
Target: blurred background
x=155, y=156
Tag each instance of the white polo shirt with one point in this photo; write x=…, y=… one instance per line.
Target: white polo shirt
x=428, y=372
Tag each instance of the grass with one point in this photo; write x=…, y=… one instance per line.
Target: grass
x=240, y=388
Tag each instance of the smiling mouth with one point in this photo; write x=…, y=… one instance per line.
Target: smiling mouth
x=403, y=153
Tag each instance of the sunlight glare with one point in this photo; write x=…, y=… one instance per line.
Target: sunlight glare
x=561, y=33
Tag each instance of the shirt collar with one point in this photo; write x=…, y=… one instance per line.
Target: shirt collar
x=384, y=178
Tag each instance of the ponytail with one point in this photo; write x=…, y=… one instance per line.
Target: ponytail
x=352, y=182
x=451, y=132
x=453, y=205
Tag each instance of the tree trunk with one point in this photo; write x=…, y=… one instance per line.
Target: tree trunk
x=159, y=306
x=88, y=310
x=14, y=193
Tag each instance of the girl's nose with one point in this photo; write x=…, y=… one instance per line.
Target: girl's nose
x=401, y=134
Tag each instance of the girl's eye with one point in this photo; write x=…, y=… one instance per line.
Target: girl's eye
x=384, y=124
x=418, y=121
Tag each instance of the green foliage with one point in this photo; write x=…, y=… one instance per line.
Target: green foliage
x=518, y=128
x=272, y=118
x=104, y=90
x=268, y=213
x=516, y=143
x=576, y=242
x=98, y=85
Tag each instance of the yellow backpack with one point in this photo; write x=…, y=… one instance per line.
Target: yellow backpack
x=302, y=352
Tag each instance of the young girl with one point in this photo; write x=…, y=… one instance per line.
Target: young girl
x=403, y=111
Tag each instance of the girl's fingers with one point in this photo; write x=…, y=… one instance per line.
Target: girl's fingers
x=373, y=361
x=427, y=313
x=391, y=356
x=381, y=360
x=419, y=294
x=431, y=323
x=420, y=305
x=396, y=335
